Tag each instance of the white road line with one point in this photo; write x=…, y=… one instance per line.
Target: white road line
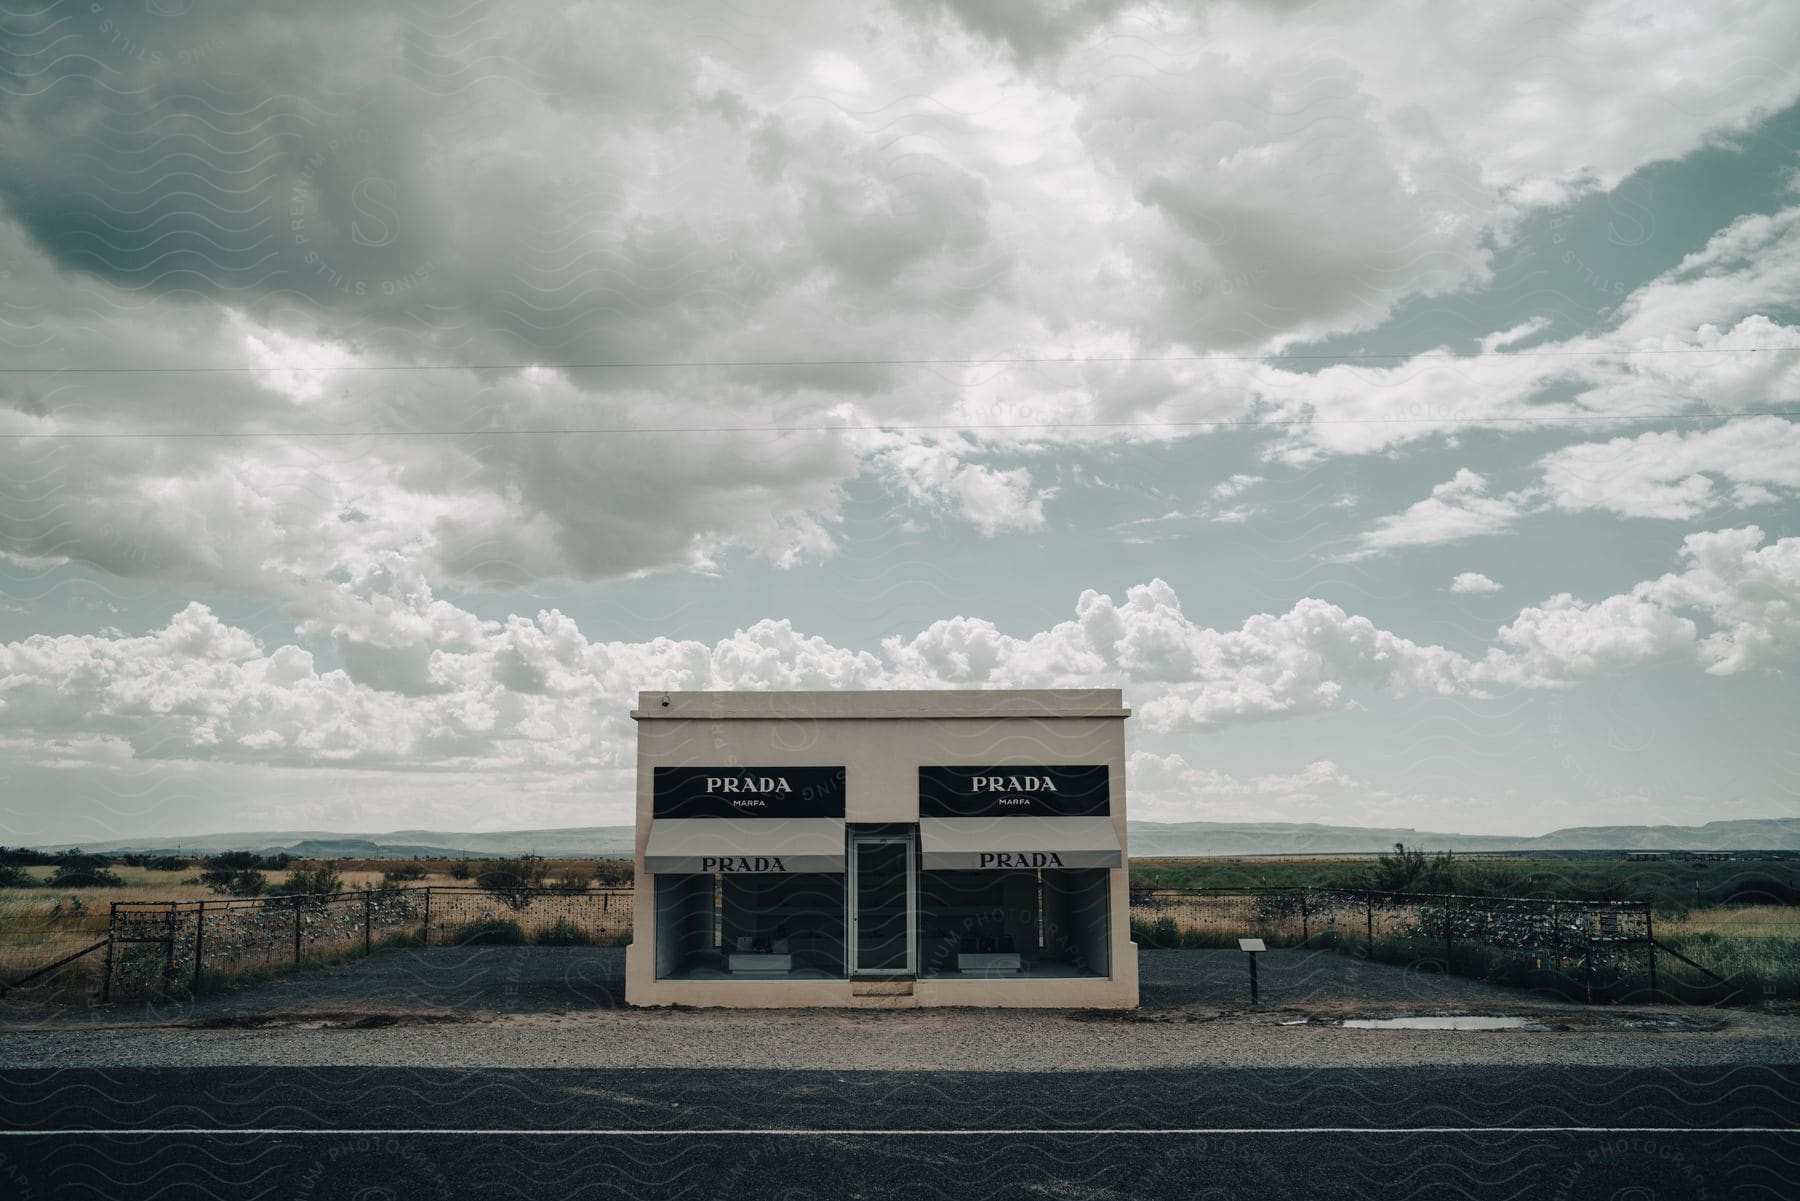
x=802, y=1132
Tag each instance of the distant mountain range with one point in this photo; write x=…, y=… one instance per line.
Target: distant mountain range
x=1151, y=839
x=1148, y=840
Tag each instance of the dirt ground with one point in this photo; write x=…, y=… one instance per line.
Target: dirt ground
x=464, y=983
x=480, y=1008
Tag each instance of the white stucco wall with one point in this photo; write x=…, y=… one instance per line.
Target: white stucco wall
x=882, y=739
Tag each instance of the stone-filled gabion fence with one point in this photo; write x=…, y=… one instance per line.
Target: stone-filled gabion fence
x=172, y=948
x=1583, y=950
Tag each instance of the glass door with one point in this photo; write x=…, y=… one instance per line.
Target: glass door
x=881, y=905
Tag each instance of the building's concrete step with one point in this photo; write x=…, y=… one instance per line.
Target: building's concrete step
x=881, y=988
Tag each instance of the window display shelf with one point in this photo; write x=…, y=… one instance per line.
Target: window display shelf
x=754, y=961
x=990, y=961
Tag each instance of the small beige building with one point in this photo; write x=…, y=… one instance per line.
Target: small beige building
x=882, y=849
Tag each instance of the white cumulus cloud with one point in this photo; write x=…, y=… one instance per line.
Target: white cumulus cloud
x=1458, y=508
x=1678, y=475
x=436, y=687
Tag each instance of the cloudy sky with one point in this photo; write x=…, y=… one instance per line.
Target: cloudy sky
x=1404, y=413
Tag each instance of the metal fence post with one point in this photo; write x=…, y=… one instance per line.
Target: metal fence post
x=112, y=923
x=425, y=937
x=1556, y=939
x=1305, y=927
x=1448, y=949
x=169, y=950
x=1369, y=900
x=1650, y=943
x=1587, y=954
x=199, y=942
x=296, y=929
x=368, y=900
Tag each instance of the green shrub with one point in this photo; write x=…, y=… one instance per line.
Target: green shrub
x=511, y=880
x=151, y=861
x=237, y=884
x=1411, y=870
x=83, y=875
x=564, y=933
x=322, y=880
x=489, y=932
x=613, y=873
x=405, y=873
x=14, y=876
x=235, y=873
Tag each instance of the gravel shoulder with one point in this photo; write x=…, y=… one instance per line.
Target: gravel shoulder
x=537, y=1007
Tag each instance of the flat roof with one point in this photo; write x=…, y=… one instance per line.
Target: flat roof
x=862, y=705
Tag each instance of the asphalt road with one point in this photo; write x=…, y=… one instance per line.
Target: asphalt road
x=371, y=1134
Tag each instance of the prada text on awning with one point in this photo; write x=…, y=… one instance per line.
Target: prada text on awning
x=757, y=844
x=978, y=843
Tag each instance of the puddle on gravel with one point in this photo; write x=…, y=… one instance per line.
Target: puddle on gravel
x=1465, y=1022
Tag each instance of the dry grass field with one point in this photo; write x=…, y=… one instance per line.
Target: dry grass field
x=1750, y=921
x=1756, y=944
x=39, y=925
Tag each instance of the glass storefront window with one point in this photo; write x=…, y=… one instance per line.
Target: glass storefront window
x=1014, y=924
x=757, y=926
x=992, y=924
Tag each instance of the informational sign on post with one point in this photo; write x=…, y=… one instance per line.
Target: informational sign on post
x=1252, y=947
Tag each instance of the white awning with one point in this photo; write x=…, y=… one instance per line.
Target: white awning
x=682, y=846
x=949, y=844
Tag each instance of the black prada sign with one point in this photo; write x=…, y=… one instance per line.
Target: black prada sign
x=1059, y=791
x=1020, y=859
x=748, y=792
x=717, y=864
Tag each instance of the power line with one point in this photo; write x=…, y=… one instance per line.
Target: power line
x=998, y=361
x=1221, y=423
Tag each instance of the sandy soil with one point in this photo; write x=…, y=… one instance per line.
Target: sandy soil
x=517, y=1006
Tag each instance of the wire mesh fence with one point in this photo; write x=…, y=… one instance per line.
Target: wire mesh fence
x=544, y=916
x=1585, y=950
x=1754, y=948
x=174, y=948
